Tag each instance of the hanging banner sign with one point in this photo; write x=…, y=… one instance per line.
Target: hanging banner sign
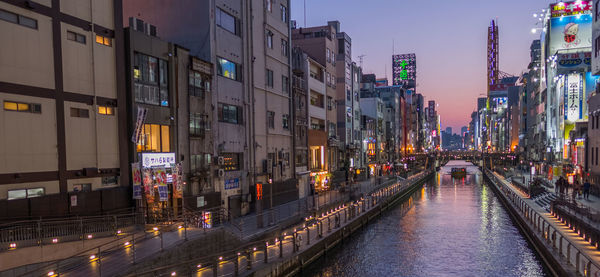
x=160, y=176
x=177, y=181
x=139, y=124
x=148, y=185
x=136, y=174
x=573, y=97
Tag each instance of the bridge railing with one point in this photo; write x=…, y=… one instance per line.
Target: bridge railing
x=583, y=263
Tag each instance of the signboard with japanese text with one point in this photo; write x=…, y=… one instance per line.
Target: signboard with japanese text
x=136, y=175
x=177, y=181
x=574, y=61
x=404, y=69
x=573, y=97
x=570, y=32
x=570, y=8
x=157, y=159
x=160, y=176
x=148, y=184
x=232, y=183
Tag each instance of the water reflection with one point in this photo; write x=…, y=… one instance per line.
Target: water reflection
x=452, y=227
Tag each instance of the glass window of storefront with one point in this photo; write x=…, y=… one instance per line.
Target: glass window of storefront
x=155, y=138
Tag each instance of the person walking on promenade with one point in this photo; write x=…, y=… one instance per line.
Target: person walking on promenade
x=557, y=185
x=574, y=192
x=586, y=190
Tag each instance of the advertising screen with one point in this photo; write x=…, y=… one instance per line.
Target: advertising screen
x=570, y=8
x=570, y=32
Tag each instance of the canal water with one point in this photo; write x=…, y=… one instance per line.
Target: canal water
x=451, y=227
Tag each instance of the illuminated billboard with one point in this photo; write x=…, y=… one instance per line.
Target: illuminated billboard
x=570, y=32
x=573, y=97
x=570, y=8
x=404, y=68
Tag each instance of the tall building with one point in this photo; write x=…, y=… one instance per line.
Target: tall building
x=347, y=99
x=449, y=130
x=404, y=70
x=321, y=44
x=492, y=55
x=222, y=40
x=300, y=119
x=64, y=128
x=271, y=106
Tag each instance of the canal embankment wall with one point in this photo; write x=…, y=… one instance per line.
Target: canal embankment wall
x=296, y=264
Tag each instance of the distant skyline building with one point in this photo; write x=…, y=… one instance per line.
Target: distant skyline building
x=404, y=70
x=449, y=130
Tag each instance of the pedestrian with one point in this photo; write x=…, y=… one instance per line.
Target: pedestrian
x=574, y=192
x=557, y=185
x=586, y=190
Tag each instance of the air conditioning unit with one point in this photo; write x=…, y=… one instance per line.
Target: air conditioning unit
x=220, y=160
x=220, y=173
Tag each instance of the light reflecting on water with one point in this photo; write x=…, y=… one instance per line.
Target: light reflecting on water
x=452, y=227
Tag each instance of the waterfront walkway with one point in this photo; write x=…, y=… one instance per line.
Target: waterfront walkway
x=122, y=253
x=572, y=238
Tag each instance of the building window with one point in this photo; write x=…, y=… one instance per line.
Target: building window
x=269, y=5
x=199, y=124
x=18, y=19
x=232, y=161
x=285, y=119
x=284, y=47
x=22, y=107
x=332, y=132
x=82, y=187
x=316, y=99
x=25, y=193
x=200, y=162
x=103, y=40
x=271, y=119
x=269, y=76
x=198, y=84
x=150, y=75
x=285, y=86
x=84, y=113
x=329, y=103
x=227, y=22
x=229, y=113
x=76, y=37
x=155, y=138
x=228, y=69
x=270, y=39
x=328, y=55
x=317, y=124
x=284, y=16
x=106, y=110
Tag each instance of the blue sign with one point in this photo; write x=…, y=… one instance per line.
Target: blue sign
x=232, y=183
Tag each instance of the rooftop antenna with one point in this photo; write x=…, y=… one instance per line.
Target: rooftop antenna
x=304, y=13
x=360, y=59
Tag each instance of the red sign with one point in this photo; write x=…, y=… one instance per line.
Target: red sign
x=259, y=191
x=500, y=87
x=570, y=8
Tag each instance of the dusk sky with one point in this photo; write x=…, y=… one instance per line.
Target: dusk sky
x=448, y=37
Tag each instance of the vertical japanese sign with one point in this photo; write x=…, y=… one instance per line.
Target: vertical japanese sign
x=148, y=185
x=178, y=181
x=160, y=175
x=139, y=124
x=137, y=180
x=573, y=97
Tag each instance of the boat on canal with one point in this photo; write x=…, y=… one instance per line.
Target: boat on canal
x=458, y=172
